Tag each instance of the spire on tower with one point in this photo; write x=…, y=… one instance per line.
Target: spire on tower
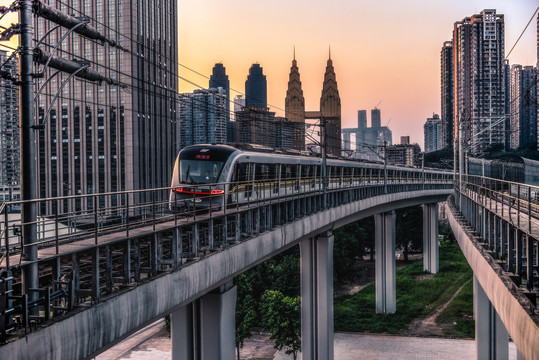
x=329, y=52
x=294, y=52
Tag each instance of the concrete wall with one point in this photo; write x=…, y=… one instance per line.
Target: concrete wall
x=90, y=331
x=510, y=305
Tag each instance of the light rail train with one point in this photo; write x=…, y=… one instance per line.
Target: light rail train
x=216, y=176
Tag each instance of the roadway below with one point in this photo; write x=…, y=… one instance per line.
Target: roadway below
x=153, y=343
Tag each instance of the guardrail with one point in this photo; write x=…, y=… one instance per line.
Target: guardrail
x=67, y=280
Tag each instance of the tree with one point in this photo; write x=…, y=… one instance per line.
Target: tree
x=350, y=243
x=281, y=317
x=409, y=230
x=246, y=311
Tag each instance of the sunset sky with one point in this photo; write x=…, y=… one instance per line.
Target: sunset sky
x=386, y=51
x=383, y=51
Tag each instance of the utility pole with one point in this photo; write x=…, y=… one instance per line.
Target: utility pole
x=385, y=167
x=461, y=158
x=323, y=148
x=423, y=169
x=28, y=151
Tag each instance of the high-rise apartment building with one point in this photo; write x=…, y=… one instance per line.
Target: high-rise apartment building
x=478, y=80
x=256, y=88
x=523, y=107
x=376, y=118
x=9, y=130
x=102, y=138
x=446, y=70
x=433, y=131
x=203, y=117
x=295, y=106
x=507, y=83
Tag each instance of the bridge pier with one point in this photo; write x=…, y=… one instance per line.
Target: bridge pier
x=384, y=232
x=491, y=337
x=317, y=297
x=206, y=329
x=430, y=238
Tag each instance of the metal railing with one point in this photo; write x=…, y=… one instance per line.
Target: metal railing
x=132, y=218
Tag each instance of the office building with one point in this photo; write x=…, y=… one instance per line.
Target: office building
x=101, y=138
x=219, y=79
x=523, y=107
x=257, y=125
x=405, y=140
x=478, y=80
x=376, y=118
x=361, y=119
x=295, y=106
x=9, y=131
x=256, y=93
x=203, y=117
x=446, y=70
x=330, y=110
x=403, y=155
x=329, y=113
x=433, y=131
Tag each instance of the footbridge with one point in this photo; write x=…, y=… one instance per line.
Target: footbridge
x=496, y=224
x=106, y=272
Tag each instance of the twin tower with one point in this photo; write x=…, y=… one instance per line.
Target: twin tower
x=330, y=109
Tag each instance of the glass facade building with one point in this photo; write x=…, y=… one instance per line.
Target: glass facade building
x=102, y=138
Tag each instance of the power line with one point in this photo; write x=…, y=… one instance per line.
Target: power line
x=522, y=33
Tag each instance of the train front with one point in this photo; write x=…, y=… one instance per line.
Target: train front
x=199, y=177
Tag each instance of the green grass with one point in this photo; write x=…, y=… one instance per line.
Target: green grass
x=459, y=314
x=415, y=298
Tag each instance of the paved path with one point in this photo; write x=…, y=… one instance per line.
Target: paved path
x=153, y=343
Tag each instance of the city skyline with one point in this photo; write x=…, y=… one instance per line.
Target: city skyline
x=367, y=66
x=369, y=69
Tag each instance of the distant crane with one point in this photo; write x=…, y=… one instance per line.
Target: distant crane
x=388, y=122
x=376, y=106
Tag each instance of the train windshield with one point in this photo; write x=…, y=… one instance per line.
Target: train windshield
x=200, y=171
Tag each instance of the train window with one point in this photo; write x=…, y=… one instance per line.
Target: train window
x=200, y=171
x=244, y=172
x=290, y=171
x=261, y=172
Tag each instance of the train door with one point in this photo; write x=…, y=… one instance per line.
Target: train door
x=245, y=177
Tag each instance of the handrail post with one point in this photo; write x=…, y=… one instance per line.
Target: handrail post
x=56, y=224
x=6, y=230
x=153, y=209
x=127, y=214
x=96, y=209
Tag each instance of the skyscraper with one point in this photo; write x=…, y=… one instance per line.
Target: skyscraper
x=433, y=131
x=9, y=130
x=330, y=110
x=479, y=88
x=295, y=106
x=101, y=138
x=376, y=118
x=523, y=107
x=256, y=88
x=446, y=70
x=219, y=79
x=203, y=117
x=361, y=119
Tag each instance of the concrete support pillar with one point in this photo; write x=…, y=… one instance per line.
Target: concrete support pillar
x=205, y=328
x=491, y=337
x=317, y=297
x=430, y=238
x=386, y=295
